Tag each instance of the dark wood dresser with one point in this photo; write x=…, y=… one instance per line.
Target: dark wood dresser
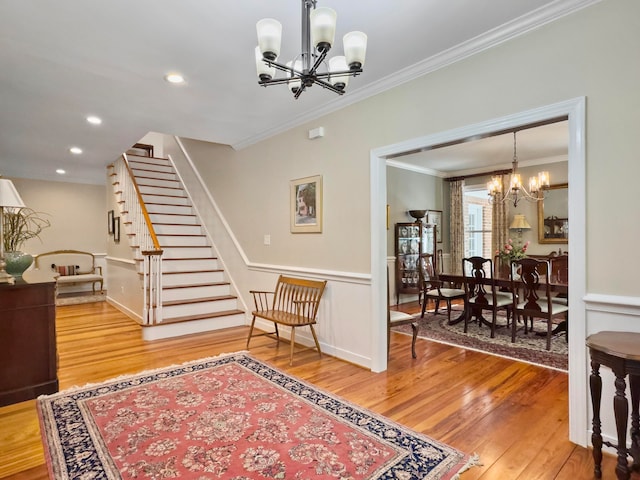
x=28, y=357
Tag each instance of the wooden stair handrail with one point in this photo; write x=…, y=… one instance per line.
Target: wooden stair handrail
x=143, y=207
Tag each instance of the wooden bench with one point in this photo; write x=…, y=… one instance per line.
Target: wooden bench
x=294, y=303
x=71, y=267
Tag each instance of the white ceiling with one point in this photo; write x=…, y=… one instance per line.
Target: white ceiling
x=63, y=60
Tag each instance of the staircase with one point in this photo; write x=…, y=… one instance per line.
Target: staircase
x=194, y=292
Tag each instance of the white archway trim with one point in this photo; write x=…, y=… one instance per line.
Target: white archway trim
x=575, y=110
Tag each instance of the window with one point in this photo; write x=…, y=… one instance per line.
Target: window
x=477, y=223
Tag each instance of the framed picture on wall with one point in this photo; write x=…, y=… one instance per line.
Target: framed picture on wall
x=110, y=222
x=435, y=217
x=306, y=205
x=116, y=229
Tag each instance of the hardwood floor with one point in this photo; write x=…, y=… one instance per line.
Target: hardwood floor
x=512, y=414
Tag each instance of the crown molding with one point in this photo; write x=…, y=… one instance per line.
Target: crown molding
x=508, y=31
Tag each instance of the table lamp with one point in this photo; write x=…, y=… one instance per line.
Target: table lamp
x=519, y=223
x=9, y=197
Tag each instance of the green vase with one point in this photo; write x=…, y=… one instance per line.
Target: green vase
x=17, y=263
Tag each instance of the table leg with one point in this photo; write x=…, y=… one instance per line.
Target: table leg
x=621, y=411
x=595, y=383
x=634, y=382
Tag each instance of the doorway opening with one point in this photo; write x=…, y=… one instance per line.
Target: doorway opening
x=574, y=110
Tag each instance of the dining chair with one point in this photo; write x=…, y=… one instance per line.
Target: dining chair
x=432, y=288
x=534, y=280
x=560, y=274
x=396, y=318
x=481, y=292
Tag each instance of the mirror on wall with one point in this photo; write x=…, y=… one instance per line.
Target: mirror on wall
x=553, y=215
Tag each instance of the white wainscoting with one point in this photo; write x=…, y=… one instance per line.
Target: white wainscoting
x=344, y=317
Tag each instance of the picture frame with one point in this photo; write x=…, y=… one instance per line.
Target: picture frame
x=306, y=204
x=110, y=222
x=388, y=216
x=116, y=229
x=435, y=217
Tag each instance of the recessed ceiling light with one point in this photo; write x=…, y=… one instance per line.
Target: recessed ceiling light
x=75, y=150
x=93, y=120
x=174, y=78
x=60, y=171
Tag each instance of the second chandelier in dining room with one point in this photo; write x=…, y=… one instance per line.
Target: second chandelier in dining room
x=318, y=34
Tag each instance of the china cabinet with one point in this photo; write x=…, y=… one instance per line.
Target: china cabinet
x=411, y=239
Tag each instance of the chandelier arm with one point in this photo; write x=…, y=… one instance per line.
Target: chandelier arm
x=274, y=81
x=328, y=86
x=282, y=67
x=319, y=60
x=341, y=73
x=299, y=91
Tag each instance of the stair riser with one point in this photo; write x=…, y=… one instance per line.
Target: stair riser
x=152, y=190
x=154, y=165
x=181, y=240
x=189, y=278
x=198, y=326
x=166, y=200
x=195, y=292
x=173, y=252
x=163, y=229
x=198, y=308
x=184, y=219
x=189, y=265
x=176, y=209
x=146, y=176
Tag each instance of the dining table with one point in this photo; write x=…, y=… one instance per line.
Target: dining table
x=504, y=284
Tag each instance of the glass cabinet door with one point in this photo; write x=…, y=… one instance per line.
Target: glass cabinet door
x=412, y=239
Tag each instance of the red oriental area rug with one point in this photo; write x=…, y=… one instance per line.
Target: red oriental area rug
x=229, y=417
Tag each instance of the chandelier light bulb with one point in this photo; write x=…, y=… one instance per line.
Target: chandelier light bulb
x=543, y=179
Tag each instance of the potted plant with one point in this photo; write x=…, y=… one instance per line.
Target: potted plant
x=20, y=225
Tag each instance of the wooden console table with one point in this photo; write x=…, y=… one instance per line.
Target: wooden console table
x=28, y=358
x=619, y=351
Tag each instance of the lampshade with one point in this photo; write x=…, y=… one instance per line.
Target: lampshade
x=323, y=27
x=9, y=196
x=295, y=83
x=338, y=64
x=269, y=37
x=264, y=70
x=519, y=223
x=355, y=48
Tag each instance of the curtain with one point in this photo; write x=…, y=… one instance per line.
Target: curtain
x=499, y=225
x=457, y=226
